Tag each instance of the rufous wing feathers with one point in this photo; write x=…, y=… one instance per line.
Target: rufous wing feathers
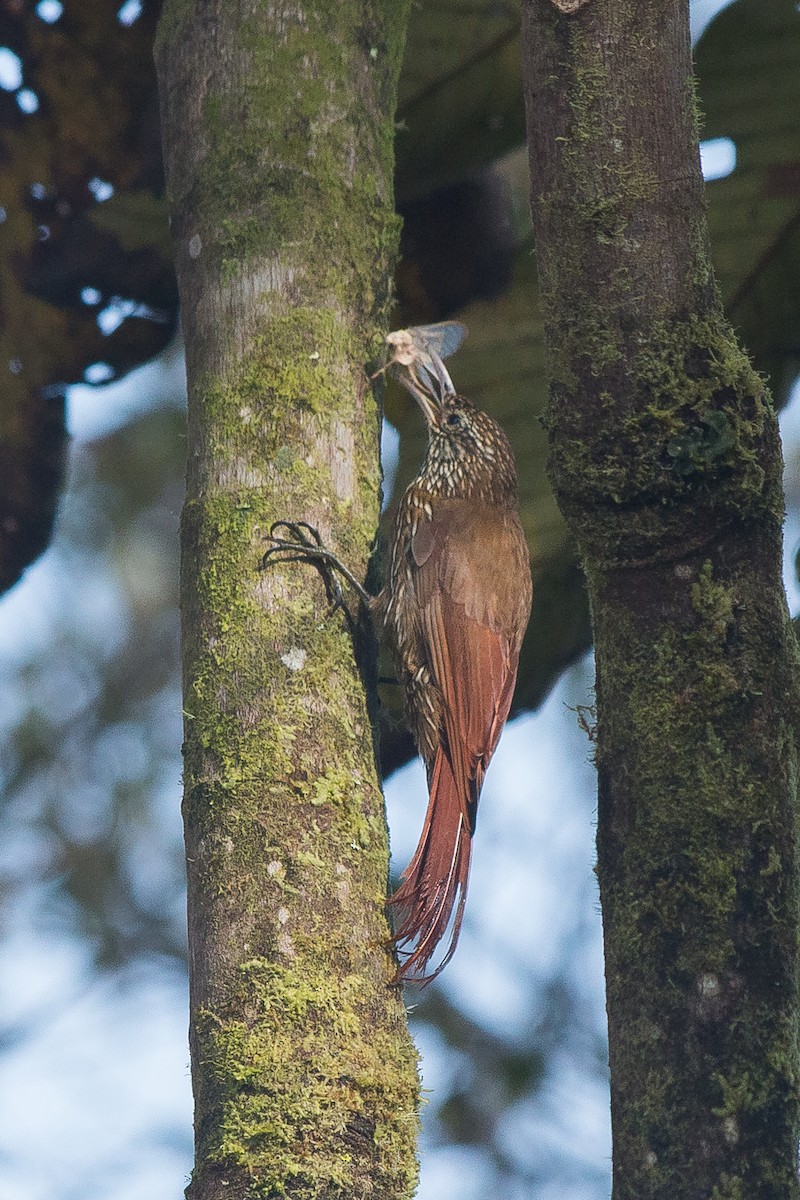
x=435, y=881
x=472, y=633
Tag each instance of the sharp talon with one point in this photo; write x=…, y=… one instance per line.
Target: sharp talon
x=338, y=597
x=277, y=525
x=310, y=529
x=295, y=529
x=279, y=547
x=306, y=545
x=299, y=531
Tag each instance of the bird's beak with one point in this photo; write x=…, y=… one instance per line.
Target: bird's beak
x=428, y=381
x=420, y=387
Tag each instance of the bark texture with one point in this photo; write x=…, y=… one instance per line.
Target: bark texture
x=666, y=462
x=278, y=131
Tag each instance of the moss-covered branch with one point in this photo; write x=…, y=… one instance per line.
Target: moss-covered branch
x=278, y=127
x=666, y=462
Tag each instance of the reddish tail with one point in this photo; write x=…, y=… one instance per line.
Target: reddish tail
x=435, y=881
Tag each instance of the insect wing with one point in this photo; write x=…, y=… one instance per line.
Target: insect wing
x=443, y=338
x=420, y=341
x=419, y=352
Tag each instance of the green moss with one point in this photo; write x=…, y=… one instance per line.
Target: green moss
x=691, y=437
x=298, y=388
x=685, y=692
x=327, y=164
x=296, y=366
x=174, y=18
x=620, y=181
x=282, y=834
x=666, y=463
x=714, y=604
x=303, y=1091
x=610, y=181
x=699, y=905
x=729, y=1189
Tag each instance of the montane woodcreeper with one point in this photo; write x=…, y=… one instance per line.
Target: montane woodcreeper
x=455, y=607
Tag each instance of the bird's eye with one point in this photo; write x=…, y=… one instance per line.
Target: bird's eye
x=454, y=419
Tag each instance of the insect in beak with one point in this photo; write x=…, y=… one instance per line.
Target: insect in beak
x=418, y=352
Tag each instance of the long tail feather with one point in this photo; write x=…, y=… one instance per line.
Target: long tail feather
x=435, y=881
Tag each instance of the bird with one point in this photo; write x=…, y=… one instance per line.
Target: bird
x=455, y=606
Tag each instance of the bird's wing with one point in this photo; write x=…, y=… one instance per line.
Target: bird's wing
x=473, y=609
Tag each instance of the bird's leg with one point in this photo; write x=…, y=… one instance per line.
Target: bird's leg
x=304, y=544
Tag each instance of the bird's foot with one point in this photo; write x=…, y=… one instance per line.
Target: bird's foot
x=304, y=544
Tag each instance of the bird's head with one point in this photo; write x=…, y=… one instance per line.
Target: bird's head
x=468, y=452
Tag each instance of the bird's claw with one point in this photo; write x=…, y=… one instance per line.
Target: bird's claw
x=304, y=536
x=304, y=545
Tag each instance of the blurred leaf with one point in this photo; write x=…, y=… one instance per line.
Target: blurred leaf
x=91, y=778
x=749, y=69
x=32, y=448
x=460, y=102
x=461, y=109
x=748, y=65
x=501, y=367
x=85, y=123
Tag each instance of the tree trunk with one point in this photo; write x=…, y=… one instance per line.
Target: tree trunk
x=666, y=461
x=278, y=125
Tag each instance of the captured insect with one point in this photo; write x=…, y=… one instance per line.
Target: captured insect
x=421, y=350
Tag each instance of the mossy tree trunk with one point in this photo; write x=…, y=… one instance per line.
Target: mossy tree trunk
x=278, y=124
x=666, y=460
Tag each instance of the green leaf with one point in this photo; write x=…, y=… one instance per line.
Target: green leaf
x=460, y=101
x=748, y=65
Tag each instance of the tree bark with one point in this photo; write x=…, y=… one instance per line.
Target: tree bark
x=278, y=133
x=666, y=462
